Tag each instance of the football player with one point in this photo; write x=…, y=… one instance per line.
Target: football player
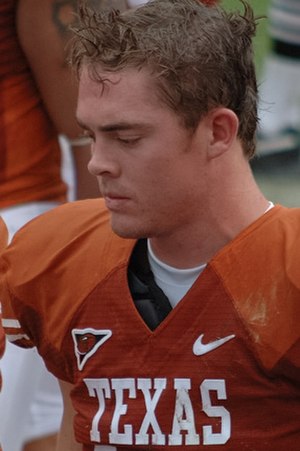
x=170, y=307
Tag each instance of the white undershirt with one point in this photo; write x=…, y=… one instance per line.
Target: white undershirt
x=175, y=282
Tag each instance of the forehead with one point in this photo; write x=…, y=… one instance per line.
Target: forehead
x=127, y=89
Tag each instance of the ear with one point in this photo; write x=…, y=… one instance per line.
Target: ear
x=222, y=127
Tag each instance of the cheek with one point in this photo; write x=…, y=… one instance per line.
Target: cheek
x=156, y=182
x=168, y=177
x=161, y=192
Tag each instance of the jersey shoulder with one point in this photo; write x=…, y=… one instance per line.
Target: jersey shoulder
x=52, y=265
x=260, y=270
x=64, y=235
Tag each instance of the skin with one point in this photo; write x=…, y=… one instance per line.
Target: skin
x=137, y=154
x=46, y=444
x=45, y=25
x=189, y=192
x=66, y=440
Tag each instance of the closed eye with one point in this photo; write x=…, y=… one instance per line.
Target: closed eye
x=128, y=141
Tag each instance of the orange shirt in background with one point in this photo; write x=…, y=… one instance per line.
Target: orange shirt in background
x=30, y=160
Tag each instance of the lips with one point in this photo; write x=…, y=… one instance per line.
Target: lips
x=114, y=196
x=114, y=201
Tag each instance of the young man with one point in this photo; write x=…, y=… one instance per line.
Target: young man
x=177, y=329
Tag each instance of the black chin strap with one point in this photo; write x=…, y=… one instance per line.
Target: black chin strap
x=150, y=301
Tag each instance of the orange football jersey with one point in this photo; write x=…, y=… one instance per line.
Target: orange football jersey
x=29, y=150
x=222, y=371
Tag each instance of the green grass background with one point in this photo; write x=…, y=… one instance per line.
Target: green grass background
x=261, y=41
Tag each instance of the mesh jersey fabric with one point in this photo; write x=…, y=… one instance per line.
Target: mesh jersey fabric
x=221, y=370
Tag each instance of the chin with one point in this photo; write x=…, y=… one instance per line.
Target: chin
x=129, y=231
x=125, y=231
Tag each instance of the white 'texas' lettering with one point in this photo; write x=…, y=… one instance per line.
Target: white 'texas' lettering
x=185, y=430
x=119, y=385
x=98, y=388
x=184, y=419
x=209, y=437
x=142, y=438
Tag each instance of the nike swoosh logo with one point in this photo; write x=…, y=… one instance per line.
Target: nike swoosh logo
x=201, y=348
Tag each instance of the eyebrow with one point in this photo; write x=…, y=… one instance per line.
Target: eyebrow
x=118, y=126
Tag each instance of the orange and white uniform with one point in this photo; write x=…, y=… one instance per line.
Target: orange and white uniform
x=222, y=369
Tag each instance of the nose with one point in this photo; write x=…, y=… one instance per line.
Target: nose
x=101, y=163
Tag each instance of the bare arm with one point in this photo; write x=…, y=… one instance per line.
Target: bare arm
x=66, y=440
x=43, y=28
x=43, y=34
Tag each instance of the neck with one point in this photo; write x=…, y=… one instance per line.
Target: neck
x=231, y=207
